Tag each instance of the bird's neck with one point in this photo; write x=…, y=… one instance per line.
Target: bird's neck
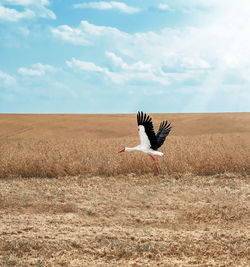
x=131, y=148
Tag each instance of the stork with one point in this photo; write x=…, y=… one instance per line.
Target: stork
x=150, y=141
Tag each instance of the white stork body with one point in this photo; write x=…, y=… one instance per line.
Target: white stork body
x=149, y=141
x=144, y=150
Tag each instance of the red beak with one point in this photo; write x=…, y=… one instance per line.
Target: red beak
x=123, y=150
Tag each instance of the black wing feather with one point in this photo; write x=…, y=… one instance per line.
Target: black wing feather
x=157, y=140
x=146, y=121
x=162, y=133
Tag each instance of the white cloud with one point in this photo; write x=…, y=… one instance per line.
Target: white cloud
x=32, y=8
x=11, y=14
x=99, y=30
x=26, y=2
x=164, y=7
x=84, y=65
x=37, y=69
x=7, y=79
x=92, y=67
x=138, y=66
x=138, y=72
x=169, y=48
x=30, y=72
x=194, y=63
x=102, y=5
x=44, y=67
x=87, y=33
x=66, y=33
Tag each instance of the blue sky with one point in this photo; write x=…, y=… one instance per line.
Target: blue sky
x=123, y=56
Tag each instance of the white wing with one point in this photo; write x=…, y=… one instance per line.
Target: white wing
x=145, y=143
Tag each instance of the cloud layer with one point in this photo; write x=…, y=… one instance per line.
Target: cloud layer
x=193, y=51
x=30, y=10
x=199, y=61
x=37, y=69
x=102, y=5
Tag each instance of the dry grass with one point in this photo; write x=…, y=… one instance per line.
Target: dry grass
x=94, y=207
x=199, y=144
x=200, y=155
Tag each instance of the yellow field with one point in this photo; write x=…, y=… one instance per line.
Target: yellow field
x=68, y=199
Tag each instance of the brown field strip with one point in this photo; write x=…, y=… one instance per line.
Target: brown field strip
x=116, y=125
x=68, y=199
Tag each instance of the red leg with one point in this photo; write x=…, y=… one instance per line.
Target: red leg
x=155, y=163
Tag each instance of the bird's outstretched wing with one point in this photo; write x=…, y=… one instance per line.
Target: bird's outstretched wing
x=146, y=131
x=162, y=133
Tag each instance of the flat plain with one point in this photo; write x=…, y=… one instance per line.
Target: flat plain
x=68, y=199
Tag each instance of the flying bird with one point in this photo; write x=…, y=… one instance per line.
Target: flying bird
x=150, y=141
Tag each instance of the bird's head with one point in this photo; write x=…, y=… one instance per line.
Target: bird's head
x=123, y=150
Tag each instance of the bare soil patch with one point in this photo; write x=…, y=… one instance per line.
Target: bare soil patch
x=125, y=220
